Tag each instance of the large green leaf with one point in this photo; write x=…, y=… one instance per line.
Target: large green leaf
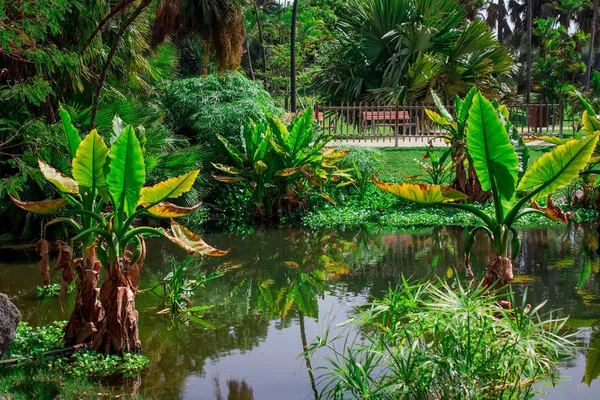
x=235, y=154
x=62, y=182
x=590, y=123
x=421, y=193
x=556, y=169
x=301, y=132
x=88, y=164
x=494, y=158
x=127, y=171
x=171, y=188
x=71, y=132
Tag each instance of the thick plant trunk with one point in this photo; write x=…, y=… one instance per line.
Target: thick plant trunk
x=499, y=272
x=111, y=55
x=88, y=310
x=118, y=331
x=205, y=57
x=293, y=58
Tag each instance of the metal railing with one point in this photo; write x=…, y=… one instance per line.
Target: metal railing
x=371, y=122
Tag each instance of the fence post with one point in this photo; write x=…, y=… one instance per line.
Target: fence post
x=396, y=112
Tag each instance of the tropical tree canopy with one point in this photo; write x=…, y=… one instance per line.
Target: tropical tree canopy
x=398, y=50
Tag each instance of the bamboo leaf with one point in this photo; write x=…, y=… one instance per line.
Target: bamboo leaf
x=169, y=189
x=48, y=206
x=62, y=182
x=191, y=242
x=127, y=171
x=71, y=132
x=494, y=157
x=422, y=193
x=88, y=164
x=556, y=169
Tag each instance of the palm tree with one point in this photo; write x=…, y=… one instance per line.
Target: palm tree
x=219, y=23
x=397, y=50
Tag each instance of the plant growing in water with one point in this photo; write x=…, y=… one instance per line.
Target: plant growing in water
x=111, y=179
x=497, y=165
x=427, y=341
x=176, y=291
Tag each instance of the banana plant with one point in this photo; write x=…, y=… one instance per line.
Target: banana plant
x=496, y=163
x=107, y=193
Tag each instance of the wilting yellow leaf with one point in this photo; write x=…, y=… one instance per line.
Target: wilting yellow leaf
x=191, y=242
x=49, y=206
x=422, y=193
x=169, y=210
x=552, y=211
x=228, y=179
x=58, y=179
x=291, y=264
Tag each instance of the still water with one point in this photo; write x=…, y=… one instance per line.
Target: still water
x=284, y=286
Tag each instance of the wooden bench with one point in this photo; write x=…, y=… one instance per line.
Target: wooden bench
x=316, y=116
x=391, y=119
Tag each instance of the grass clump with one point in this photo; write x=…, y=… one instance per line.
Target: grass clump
x=431, y=341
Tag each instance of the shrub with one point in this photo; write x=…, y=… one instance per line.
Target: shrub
x=427, y=341
x=200, y=108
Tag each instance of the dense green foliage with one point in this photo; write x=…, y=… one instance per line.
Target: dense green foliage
x=202, y=108
x=429, y=341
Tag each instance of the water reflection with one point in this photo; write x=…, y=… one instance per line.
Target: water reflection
x=285, y=285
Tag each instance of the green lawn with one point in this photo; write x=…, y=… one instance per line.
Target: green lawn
x=400, y=161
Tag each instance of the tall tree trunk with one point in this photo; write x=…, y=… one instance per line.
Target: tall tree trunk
x=263, y=67
x=250, y=61
x=500, y=19
x=529, y=49
x=205, y=56
x=111, y=54
x=590, y=64
x=293, y=58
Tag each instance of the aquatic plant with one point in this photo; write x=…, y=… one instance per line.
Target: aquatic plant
x=432, y=341
x=107, y=194
x=176, y=290
x=497, y=165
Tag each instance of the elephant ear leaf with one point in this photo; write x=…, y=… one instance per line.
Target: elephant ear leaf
x=191, y=242
x=590, y=123
x=421, y=193
x=62, y=182
x=494, y=158
x=71, y=132
x=88, y=164
x=49, y=206
x=169, y=189
x=127, y=171
x=556, y=169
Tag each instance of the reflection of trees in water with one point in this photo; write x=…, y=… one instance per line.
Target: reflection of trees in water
x=236, y=389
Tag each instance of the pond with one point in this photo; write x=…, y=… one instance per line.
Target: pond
x=284, y=286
